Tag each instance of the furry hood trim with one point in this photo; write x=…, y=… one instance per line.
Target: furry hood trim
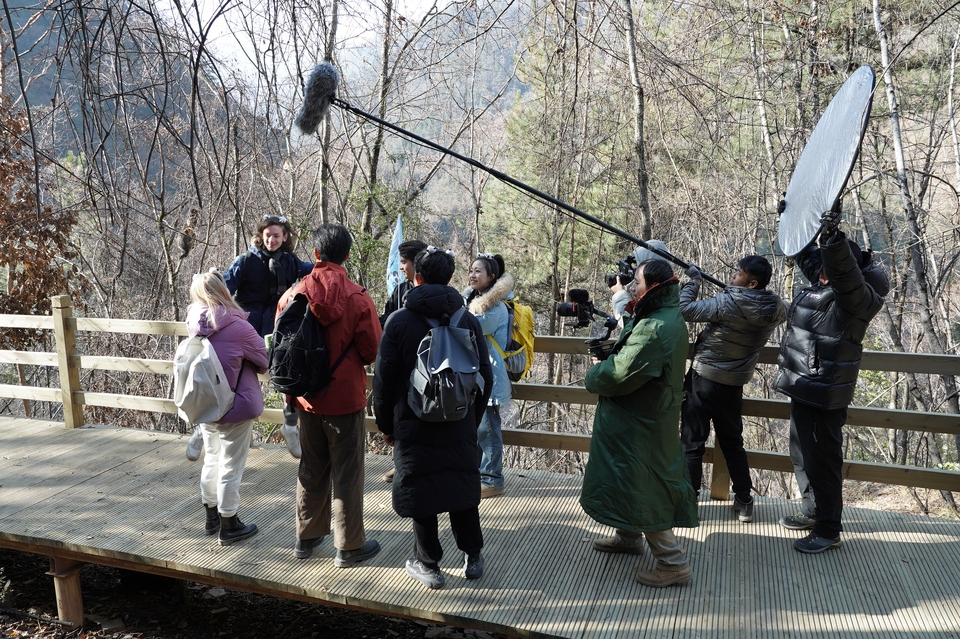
x=486, y=301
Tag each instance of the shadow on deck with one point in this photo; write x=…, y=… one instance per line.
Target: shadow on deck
x=130, y=499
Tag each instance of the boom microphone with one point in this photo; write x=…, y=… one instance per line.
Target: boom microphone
x=319, y=93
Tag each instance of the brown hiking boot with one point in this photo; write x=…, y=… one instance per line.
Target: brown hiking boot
x=486, y=492
x=661, y=578
x=618, y=544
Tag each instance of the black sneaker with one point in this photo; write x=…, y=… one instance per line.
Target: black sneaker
x=473, y=566
x=813, y=544
x=347, y=558
x=798, y=522
x=304, y=547
x=744, y=509
x=432, y=578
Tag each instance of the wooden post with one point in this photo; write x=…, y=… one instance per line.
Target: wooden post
x=66, y=356
x=66, y=583
x=719, y=476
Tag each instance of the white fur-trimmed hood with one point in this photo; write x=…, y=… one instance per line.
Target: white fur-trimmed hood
x=485, y=302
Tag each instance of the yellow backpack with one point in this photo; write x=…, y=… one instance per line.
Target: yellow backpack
x=518, y=358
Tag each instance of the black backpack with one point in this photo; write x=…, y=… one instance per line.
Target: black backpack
x=299, y=361
x=446, y=380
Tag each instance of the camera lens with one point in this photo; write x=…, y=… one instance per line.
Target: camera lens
x=567, y=309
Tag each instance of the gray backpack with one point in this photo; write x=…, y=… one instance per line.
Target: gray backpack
x=446, y=379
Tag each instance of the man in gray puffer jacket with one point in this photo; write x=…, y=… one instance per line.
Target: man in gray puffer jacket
x=740, y=320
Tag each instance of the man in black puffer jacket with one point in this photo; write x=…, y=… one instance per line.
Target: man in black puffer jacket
x=740, y=320
x=437, y=462
x=819, y=363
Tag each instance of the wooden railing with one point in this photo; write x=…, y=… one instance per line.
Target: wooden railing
x=65, y=327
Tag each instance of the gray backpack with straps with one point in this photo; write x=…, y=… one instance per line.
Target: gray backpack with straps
x=446, y=379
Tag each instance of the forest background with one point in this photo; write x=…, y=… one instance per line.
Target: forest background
x=141, y=141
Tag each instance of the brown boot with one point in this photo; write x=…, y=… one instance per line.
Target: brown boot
x=619, y=544
x=663, y=577
x=486, y=492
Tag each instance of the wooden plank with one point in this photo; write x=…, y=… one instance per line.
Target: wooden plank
x=545, y=439
x=139, y=327
x=130, y=402
x=66, y=350
x=918, y=421
x=36, y=393
x=31, y=358
x=550, y=393
x=542, y=576
x=157, y=366
x=26, y=321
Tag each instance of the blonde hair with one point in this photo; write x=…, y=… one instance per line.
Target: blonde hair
x=208, y=289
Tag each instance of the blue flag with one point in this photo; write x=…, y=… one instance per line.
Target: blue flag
x=393, y=260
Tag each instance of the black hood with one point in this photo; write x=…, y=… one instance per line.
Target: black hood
x=433, y=300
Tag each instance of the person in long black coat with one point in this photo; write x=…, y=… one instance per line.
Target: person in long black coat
x=437, y=463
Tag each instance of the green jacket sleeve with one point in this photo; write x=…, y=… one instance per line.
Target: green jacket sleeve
x=639, y=360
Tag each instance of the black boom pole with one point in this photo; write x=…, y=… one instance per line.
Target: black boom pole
x=503, y=177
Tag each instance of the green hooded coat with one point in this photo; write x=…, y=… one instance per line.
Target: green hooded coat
x=636, y=478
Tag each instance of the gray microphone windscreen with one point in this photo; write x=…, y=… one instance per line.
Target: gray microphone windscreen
x=320, y=91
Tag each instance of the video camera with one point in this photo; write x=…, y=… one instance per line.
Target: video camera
x=626, y=268
x=581, y=307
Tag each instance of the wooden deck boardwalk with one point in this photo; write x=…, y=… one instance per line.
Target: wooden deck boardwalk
x=129, y=498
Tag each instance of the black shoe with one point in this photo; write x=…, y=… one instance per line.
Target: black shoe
x=346, y=558
x=473, y=566
x=744, y=509
x=304, y=547
x=798, y=522
x=233, y=530
x=813, y=544
x=432, y=578
x=213, y=520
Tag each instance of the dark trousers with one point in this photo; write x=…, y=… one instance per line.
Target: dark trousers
x=333, y=454
x=722, y=403
x=466, y=532
x=816, y=450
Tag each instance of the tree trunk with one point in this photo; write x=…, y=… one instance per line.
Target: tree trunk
x=646, y=230
x=924, y=306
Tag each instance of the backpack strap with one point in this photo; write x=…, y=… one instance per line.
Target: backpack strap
x=333, y=369
x=453, y=321
x=497, y=346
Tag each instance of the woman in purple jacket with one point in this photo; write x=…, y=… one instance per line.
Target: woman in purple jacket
x=215, y=315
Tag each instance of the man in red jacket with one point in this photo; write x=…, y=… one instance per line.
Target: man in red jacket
x=332, y=432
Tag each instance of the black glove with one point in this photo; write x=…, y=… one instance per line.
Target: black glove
x=782, y=206
x=830, y=221
x=693, y=272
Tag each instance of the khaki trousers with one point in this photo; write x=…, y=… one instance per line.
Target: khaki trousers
x=663, y=545
x=333, y=449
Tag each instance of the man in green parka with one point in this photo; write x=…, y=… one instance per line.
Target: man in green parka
x=636, y=480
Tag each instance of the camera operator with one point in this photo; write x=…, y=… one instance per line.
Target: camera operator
x=635, y=480
x=619, y=283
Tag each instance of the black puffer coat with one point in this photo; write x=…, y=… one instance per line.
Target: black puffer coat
x=437, y=463
x=820, y=352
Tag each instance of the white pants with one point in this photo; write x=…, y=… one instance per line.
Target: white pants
x=225, y=454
